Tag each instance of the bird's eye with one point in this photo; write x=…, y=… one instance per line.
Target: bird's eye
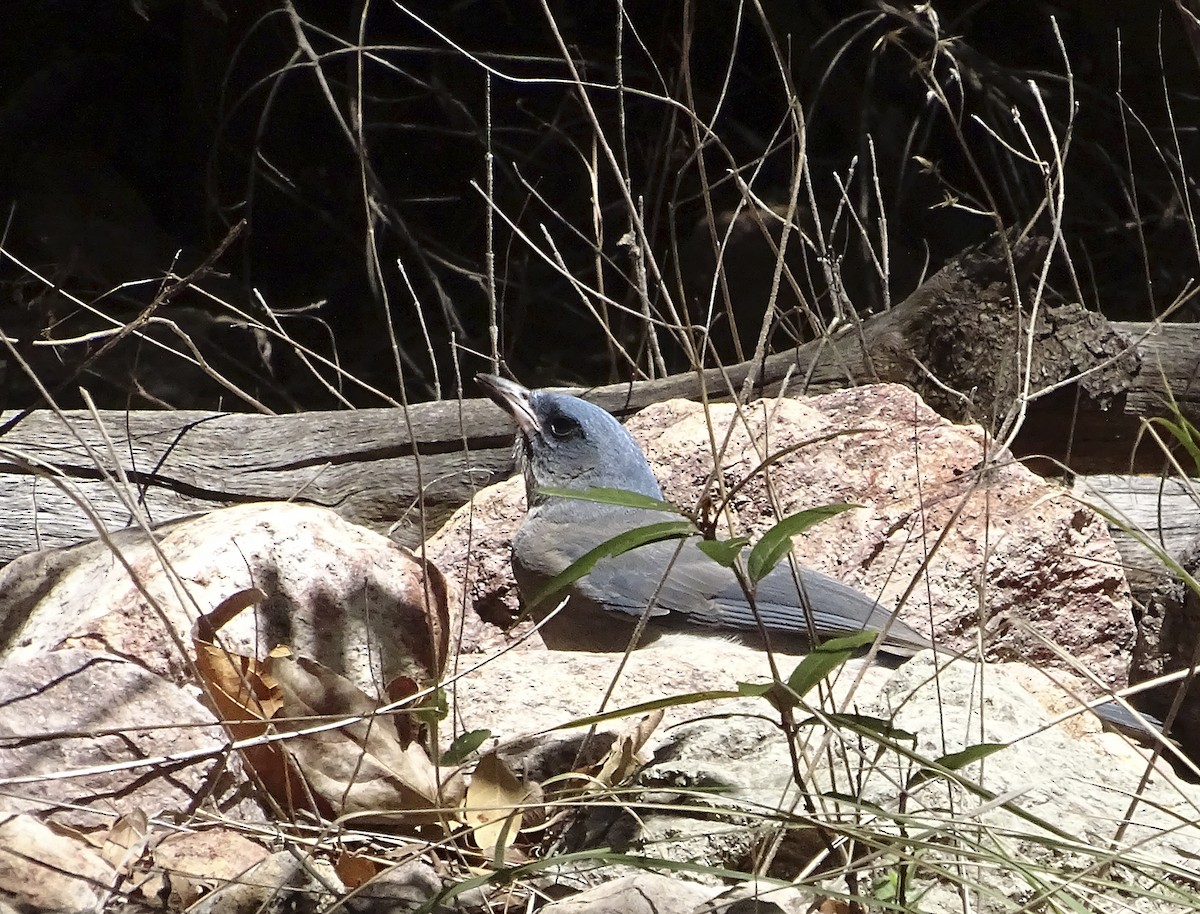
x=562, y=426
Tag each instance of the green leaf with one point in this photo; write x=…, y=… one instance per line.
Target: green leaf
x=964, y=757
x=824, y=658
x=863, y=724
x=776, y=693
x=433, y=708
x=955, y=761
x=754, y=689
x=777, y=541
x=853, y=801
x=886, y=888
x=622, y=543
x=674, y=701
x=724, y=552
x=621, y=497
x=464, y=745
x=1184, y=432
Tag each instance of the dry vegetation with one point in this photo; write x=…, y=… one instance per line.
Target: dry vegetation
x=288, y=206
x=381, y=203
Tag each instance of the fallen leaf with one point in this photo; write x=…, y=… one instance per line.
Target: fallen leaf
x=834, y=906
x=354, y=869
x=623, y=758
x=125, y=841
x=210, y=623
x=368, y=767
x=363, y=768
x=244, y=695
x=493, y=807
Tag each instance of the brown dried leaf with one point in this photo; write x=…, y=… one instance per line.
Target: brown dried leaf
x=183, y=891
x=834, y=906
x=210, y=623
x=125, y=841
x=237, y=684
x=493, y=806
x=354, y=869
x=407, y=725
x=238, y=688
x=623, y=757
x=400, y=688
x=363, y=767
x=242, y=693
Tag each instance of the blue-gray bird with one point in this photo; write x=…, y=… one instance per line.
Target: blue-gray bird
x=564, y=442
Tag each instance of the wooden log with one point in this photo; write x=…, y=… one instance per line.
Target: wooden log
x=1165, y=512
x=363, y=465
x=411, y=468
x=371, y=466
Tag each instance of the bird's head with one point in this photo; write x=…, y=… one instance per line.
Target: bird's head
x=564, y=442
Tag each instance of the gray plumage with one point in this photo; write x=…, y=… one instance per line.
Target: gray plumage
x=564, y=442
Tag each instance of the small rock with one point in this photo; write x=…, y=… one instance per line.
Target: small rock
x=399, y=890
x=42, y=870
x=287, y=882
x=70, y=710
x=642, y=893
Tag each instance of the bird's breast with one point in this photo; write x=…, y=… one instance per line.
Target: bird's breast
x=546, y=547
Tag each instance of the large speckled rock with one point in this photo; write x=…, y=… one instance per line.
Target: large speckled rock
x=962, y=535
x=334, y=592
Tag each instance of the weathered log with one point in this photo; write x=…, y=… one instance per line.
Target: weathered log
x=411, y=468
x=372, y=466
x=363, y=465
x=1160, y=510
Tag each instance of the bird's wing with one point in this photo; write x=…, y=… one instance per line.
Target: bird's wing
x=835, y=608
x=702, y=592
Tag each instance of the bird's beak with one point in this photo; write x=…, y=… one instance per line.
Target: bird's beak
x=513, y=399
